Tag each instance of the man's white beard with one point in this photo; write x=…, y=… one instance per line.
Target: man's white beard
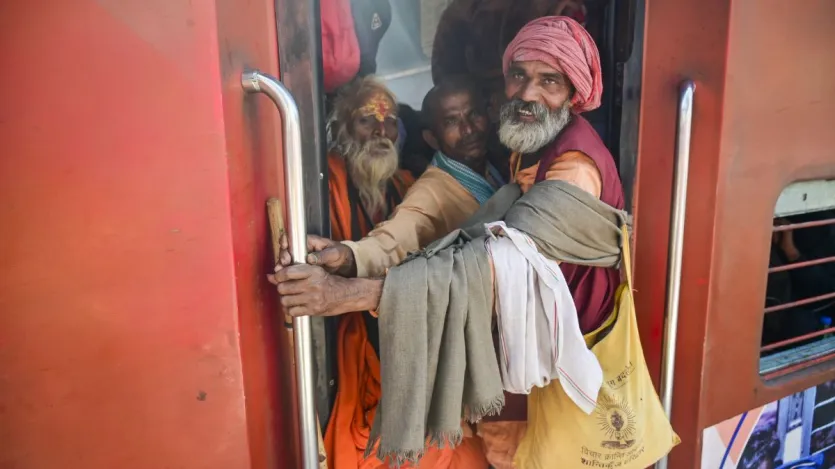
x=370, y=167
x=530, y=137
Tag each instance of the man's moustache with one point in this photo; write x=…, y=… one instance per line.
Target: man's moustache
x=472, y=139
x=538, y=110
x=379, y=142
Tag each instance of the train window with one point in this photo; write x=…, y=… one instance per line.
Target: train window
x=799, y=322
x=403, y=60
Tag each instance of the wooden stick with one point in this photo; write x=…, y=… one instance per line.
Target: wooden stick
x=275, y=213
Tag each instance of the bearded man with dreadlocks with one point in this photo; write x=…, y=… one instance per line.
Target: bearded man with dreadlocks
x=365, y=187
x=365, y=182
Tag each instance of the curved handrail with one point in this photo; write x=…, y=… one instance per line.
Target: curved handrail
x=257, y=82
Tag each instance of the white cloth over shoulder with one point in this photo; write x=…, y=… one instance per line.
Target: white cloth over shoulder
x=539, y=333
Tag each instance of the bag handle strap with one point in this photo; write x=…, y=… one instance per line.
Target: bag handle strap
x=627, y=258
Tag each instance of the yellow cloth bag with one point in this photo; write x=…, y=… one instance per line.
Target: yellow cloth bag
x=627, y=430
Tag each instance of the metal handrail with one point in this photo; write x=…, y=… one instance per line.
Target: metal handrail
x=679, y=208
x=257, y=82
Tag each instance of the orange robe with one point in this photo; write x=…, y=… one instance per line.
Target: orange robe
x=359, y=390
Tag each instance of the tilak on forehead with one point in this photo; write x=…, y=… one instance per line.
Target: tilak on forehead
x=379, y=106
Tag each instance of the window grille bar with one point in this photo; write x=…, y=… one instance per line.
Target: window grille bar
x=800, y=265
x=800, y=226
x=806, y=301
x=797, y=339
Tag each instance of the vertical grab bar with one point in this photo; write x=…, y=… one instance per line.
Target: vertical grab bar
x=679, y=206
x=257, y=82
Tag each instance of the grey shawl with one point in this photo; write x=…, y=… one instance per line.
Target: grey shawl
x=437, y=358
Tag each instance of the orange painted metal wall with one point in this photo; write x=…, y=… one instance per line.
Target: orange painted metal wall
x=779, y=115
x=764, y=113
x=136, y=328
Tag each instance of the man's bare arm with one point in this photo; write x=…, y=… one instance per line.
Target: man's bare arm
x=363, y=294
x=308, y=290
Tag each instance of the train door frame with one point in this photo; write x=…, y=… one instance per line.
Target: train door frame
x=298, y=36
x=299, y=41
x=738, y=167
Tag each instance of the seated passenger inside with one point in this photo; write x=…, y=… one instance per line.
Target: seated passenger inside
x=818, y=241
x=794, y=285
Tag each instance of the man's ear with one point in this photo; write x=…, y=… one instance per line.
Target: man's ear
x=431, y=140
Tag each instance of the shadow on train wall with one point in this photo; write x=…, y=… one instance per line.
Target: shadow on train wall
x=797, y=431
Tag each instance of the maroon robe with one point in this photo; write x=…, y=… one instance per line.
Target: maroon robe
x=593, y=288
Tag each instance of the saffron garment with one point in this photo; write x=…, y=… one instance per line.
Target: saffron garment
x=348, y=219
x=359, y=390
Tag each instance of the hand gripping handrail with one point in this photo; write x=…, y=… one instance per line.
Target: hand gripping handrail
x=257, y=82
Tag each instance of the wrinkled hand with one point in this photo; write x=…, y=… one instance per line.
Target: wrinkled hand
x=308, y=290
x=333, y=257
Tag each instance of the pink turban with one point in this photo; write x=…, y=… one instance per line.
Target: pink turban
x=562, y=43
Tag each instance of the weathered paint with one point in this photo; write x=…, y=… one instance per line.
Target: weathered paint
x=136, y=326
x=143, y=336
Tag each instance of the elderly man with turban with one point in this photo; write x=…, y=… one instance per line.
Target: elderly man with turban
x=552, y=75
x=472, y=35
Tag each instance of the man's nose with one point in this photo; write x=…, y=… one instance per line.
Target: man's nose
x=466, y=127
x=529, y=94
x=378, y=130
